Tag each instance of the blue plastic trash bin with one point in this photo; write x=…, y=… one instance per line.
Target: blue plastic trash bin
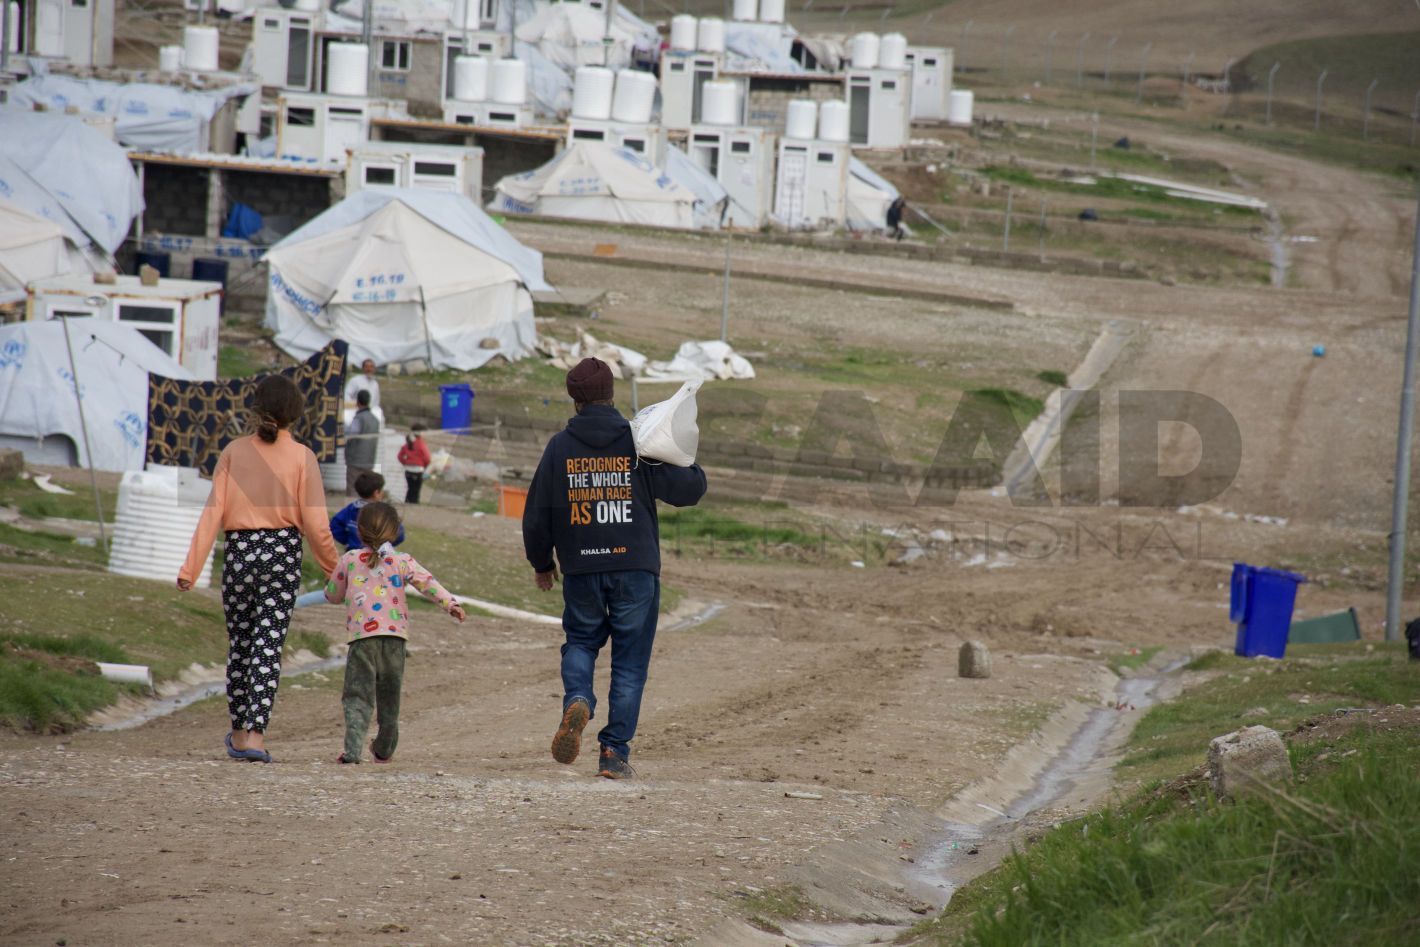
x=455, y=407
x=1261, y=605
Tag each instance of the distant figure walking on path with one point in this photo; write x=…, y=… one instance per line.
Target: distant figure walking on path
x=374, y=582
x=362, y=442
x=894, y=218
x=593, y=502
x=416, y=459
x=365, y=381
x=266, y=494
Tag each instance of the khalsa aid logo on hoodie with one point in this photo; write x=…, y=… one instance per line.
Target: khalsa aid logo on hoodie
x=599, y=490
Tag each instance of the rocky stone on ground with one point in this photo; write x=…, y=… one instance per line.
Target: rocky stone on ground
x=12, y=464
x=1248, y=761
x=974, y=660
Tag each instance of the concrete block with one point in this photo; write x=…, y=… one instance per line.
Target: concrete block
x=1249, y=761
x=974, y=660
x=12, y=464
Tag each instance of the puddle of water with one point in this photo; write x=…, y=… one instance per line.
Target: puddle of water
x=171, y=705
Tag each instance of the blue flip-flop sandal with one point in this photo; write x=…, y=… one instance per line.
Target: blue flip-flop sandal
x=251, y=756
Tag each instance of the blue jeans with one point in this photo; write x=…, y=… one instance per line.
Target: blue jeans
x=622, y=606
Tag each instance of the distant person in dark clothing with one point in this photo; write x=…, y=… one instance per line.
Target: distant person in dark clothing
x=362, y=442
x=592, y=503
x=894, y=218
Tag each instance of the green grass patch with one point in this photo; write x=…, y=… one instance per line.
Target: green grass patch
x=40, y=546
x=766, y=907
x=1023, y=408
x=1333, y=859
x=1173, y=737
x=1052, y=377
x=1132, y=659
x=35, y=695
x=313, y=641
x=35, y=503
x=1108, y=188
x=240, y=361
x=77, y=646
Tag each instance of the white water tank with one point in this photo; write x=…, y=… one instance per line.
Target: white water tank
x=635, y=95
x=864, y=54
x=308, y=6
x=14, y=43
x=720, y=103
x=710, y=35
x=199, y=46
x=158, y=510
x=892, y=51
x=169, y=58
x=771, y=11
x=347, y=69
x=801, y=119
x=510, y=82
x=833, y=120
x=471, y=79
x=683, y=27
x=592, y=92
x=959, y=105
x=746, y=9
x=467, y=14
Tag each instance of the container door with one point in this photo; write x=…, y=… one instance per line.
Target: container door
x=344, y=128
x=859, y=95
x=49, y=28
x=298, y=54
x=705, y=152
x=703, y=73
x=793, y=179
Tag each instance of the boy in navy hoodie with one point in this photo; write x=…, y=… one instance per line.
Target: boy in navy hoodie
x=592, y=503
x=369, y=488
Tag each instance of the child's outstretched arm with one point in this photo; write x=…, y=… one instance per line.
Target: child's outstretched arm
x=430, y=588
x=339, y=579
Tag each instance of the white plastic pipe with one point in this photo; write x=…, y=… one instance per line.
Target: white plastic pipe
x=127, y=673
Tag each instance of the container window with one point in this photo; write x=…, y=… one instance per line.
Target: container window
x=825, y=157
x=378, y=176
x=156, y=323
x=740, y=147
x=439, y=168
x=634, y=144
x=588, y=134
x=394, y=54
x=303, y=117
x=929, y=63
x=889, y=84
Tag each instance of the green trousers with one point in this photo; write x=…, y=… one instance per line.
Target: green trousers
x=374, y=671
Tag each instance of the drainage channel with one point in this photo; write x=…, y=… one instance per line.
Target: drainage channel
x=952, y=856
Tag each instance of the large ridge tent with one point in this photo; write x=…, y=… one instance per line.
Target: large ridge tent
x=403, y=274
x=38, y=411
x=596, y=181
x=58, y=168
x=31, y=248
x=869, y=196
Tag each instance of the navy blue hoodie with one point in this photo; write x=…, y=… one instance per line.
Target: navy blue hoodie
x=594, y=501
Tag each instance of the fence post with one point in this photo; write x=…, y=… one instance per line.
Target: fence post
x=1080, y=61
x=1049, y=53
x=1414, y=115
x=1366, y=125
x=961, y=47
x=1109, y=57
x=1271, y=75
x=1316, y=125
x=1143, y=68
x=1006, y=51
x=1006, y=234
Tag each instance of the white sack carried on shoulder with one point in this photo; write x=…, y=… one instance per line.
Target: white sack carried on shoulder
x=667, y=431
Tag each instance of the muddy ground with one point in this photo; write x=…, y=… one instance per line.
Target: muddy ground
x=815, y=677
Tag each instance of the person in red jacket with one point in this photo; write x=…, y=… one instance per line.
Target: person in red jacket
x=415, y=457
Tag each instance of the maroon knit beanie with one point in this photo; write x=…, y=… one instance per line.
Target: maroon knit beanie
x=590, y=380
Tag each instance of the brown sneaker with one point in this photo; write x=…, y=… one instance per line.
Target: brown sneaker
x=567, y=741
x=614, y=766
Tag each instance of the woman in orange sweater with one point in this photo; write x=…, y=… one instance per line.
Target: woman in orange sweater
x=266, y=493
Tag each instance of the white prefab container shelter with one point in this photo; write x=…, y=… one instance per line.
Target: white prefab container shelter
x=811, y=185
x=39, y=414
x=683, y=77
x=742, y=160
x=931, y=68
x=322, y=128
x=448, y=168
x=404, y=275
x=158, y=510
x=80, y=31
x=181, y=317
x=644, y=139
x=283, y=48
x=595, y=181
x=879, y=106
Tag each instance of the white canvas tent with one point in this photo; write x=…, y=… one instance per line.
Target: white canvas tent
x=403, y=274
x=596, y=181
x=869, y=196
x=573, y=34
x=31, y=248
x=38, y=412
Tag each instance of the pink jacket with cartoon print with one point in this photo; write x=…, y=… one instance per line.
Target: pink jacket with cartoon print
x=375, y=589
